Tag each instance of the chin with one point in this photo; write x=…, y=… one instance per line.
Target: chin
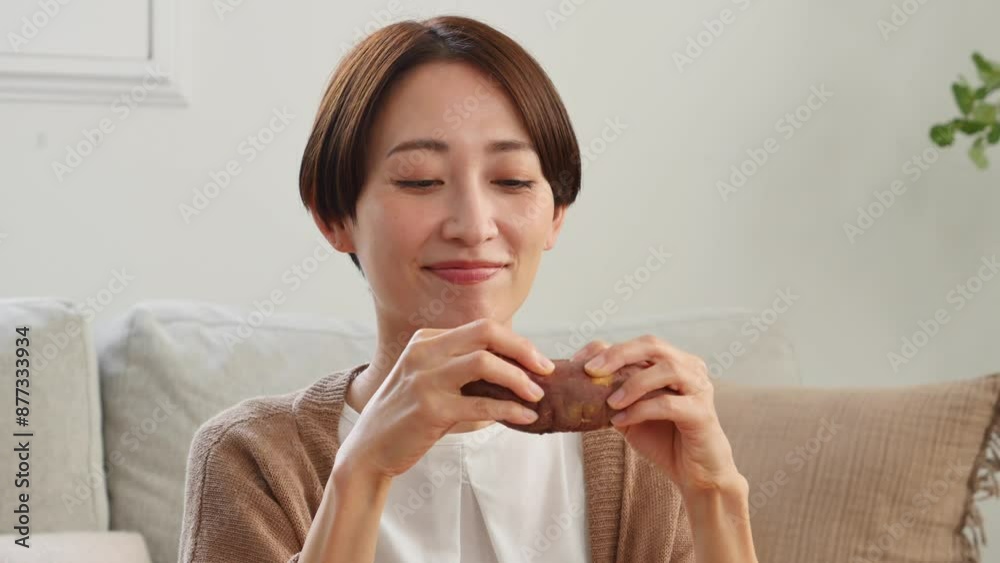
x=457, y=314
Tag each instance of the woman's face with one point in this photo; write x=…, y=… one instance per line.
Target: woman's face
x=452, y=176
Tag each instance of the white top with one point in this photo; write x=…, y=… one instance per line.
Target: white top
x=490, y=495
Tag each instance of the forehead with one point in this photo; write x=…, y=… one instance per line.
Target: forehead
x=452, y=100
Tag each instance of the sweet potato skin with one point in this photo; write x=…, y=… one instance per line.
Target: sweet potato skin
x=573, y=401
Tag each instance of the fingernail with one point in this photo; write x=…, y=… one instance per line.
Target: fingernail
x=616, y=419
x=536, y=391
x=547, y=363
x=530, y=415
x=616, y=398
x=594, y=364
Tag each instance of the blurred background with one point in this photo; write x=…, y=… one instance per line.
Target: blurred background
x=778, y=151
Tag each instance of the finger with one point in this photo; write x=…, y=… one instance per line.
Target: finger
x=658, y=376
x=427, y=333
x=625, y=353
x=680, y=409
x=471, y=409
x=591, y=349
x=488, y=334
x=485, y=365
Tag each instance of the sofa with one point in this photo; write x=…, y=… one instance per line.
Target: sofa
x=852, y=475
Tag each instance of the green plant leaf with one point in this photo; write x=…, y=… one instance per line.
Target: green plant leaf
x=994, y=135
x=963, y=96
x=977, y=152
x=989, y=72
x=984, y=66
x=985, y=113
x=968, y=126
x=943, y=134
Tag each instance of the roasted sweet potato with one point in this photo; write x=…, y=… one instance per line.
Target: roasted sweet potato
x=573, y=401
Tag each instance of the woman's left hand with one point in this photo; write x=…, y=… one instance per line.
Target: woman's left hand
x=680, y=433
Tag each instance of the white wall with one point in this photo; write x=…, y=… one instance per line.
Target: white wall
x=655, y=185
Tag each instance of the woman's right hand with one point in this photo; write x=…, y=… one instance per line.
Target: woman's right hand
x=421, y=400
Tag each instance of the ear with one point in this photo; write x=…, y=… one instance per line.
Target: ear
x=557, y=222
x=339, y=235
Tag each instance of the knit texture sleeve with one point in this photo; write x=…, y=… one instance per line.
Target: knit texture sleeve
x=682, y=550
x=654, y=522
x=244, y=489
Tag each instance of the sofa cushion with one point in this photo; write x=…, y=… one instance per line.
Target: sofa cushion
x=78, y=547
x=65, y=483
x=866, y=475
x=168, y=366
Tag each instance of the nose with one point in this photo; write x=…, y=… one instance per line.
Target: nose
x=470, y=215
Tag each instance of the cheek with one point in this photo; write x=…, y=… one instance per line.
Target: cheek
x=532, y=221
x=401, y=223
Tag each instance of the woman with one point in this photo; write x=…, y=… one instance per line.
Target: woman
x=443, y=161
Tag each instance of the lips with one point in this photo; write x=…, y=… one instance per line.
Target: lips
x=465, y=264
x=465, y=272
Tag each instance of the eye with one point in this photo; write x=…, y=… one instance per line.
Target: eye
x=416, y=183
x=516, y=183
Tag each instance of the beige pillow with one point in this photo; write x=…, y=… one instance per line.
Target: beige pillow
x=863, y=475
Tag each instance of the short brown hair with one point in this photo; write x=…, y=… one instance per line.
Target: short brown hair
x=334, y=163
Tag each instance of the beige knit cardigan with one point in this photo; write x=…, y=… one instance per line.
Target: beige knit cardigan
x=256, y=473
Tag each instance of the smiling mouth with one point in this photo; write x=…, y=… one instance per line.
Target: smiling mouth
x=466, y=276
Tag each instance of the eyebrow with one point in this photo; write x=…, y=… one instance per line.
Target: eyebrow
x=435, y=145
